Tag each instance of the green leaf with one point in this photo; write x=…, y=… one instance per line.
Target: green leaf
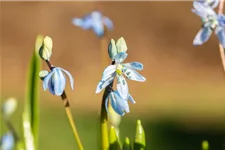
x=113, y=139
x=139, y=141
x=31, y=108
x=127, y=144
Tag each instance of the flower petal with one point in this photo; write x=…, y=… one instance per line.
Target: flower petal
x=108, y=23
x=108, y=72
x=121, y=45
x=133, y=75
x=114, y=104
x=133, y=65
x=221, y=19
x=85, y=23
x=122, y=87
x=202, y=10
x=202, y=36
x=58, y=81
x=122, y=102
x=221, y=35
x=102, y=84
x=46, y=80
x=120, y=57
x=131, y=99
x=112, y=50
x=70, y=77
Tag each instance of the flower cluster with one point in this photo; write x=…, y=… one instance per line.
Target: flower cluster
x=119, y=98
x=54, y=80
x=211, y=21
x=94, y=21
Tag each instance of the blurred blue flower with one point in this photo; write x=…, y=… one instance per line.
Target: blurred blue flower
x=7, y=141
x=95, y=21
x=119, y=104
x=211, y=22
x=117, y=70
x=212, y=3
x=55, y=81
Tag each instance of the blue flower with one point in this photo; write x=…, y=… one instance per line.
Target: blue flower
x=117, y=70
x=211, y=22
x=212, y=3
x=119, y=104
x=7, y=141
x=55, y=81
x=95, y=21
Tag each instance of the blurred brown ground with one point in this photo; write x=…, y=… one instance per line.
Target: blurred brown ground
x=182, y=80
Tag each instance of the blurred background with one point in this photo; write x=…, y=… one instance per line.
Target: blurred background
x=181, y=103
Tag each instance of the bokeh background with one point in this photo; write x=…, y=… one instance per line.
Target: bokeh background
x=181, y=103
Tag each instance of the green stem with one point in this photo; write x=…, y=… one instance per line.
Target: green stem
x=104, y=118
x=69, y=115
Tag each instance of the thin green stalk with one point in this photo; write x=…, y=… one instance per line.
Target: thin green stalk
x=104, y=118
x=69, y=115
x=222, y=54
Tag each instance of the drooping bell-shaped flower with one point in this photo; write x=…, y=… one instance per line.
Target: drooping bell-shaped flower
x=119, y=104
x=95, y=21
x=211, y=22
x=55, y=80
x=118, y=70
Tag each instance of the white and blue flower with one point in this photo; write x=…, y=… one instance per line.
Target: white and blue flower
x=95, y=21
x=117, y=70
x=211, y=22
x=119, y=104
x=55, y=80
x=7, y=141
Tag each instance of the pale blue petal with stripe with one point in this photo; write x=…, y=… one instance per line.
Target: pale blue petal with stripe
x=202, y=10
x=108, y=72
x=58, y=81
x=120, y=57
x=122, y=87
x=114, y=104
x=221, y=20
x=133, y=65
x=98, y=28
x=47, y=80
x=133, y=75
x=220, y=35
x=70, y=77
x=202, y=36
x=131, y=99
x=85, y=22
x=102, y=84
x=122, y=103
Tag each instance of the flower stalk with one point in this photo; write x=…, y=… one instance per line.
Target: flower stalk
x=68, y=113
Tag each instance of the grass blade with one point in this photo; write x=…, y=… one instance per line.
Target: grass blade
x=31, y=106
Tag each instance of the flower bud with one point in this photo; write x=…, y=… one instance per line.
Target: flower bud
x=9, y=106
x=43, y=74
x=112, y=50
x=45, y=51
x=139, y=141
x=127, y=144
x=121, y=45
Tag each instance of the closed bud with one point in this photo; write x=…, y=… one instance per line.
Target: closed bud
x=205, y=145
x=121, y=45
x=9, y=106
x=112, y=50
x=43, y=74
x=139, y=141
x=127, y=144
x=45, y=51
x=113, y=139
